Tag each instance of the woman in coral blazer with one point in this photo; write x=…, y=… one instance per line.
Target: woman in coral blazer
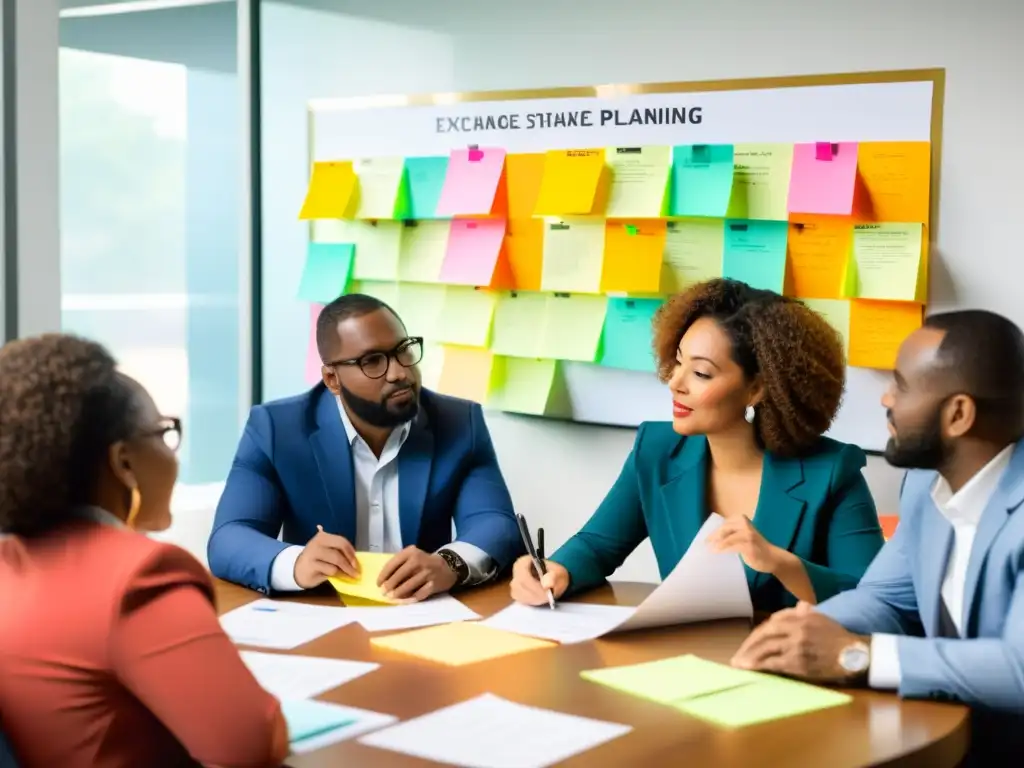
x=110, y=649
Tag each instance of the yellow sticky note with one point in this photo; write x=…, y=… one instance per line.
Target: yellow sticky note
x=760, y=188
x=379, y=188
x=572, y=327
x=516, y=318
x=466, y=316
x=837, y=314
x=466, y=373
x=819, y=247
x=522, y=385
x=574, y=183
x=573, y=256
x=897, y=178
x=420, y=307
x=887, y=259
x=693, y=253
x=424, y=246
x=365, y=587
x=331, y=188
x=459, y=643
x=524, y=248
x=378, y=245
x=633, y=252
x=771, y=698
x=431, y=365
x=877, y=328
x=387, y=292
x=524, y=174
x=671, y=680
x=638, y=181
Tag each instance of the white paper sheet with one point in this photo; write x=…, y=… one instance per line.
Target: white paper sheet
x=302, y=677
x=491, y=732
x=366, y=721
x=441, y=609
x=568, y=623
x=282, y=625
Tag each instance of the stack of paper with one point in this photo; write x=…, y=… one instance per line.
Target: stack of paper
x=440, y=609
x=282, y=625
x=302, y=677
x=458, y=644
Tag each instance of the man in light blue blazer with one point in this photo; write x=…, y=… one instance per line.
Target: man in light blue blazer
x=365, y=461
x=940, y=612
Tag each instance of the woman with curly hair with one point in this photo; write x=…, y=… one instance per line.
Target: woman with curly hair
x=110, y=649
x=756, y=379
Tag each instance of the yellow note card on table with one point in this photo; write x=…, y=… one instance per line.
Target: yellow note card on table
x=572, y=327
x=574, y=183
x=888, y=262
x=331, y=191
x=365, y=587
x=522, y=384
x=382, y=192
x=516, y=318
x=819, y=248
x=694, y=250
x=672, y=680
x=639, y=181
x=459, y=643
x=837, y=314
x=633, y=252
x=573, y=256
x=897, y=178
x=424, y=247
x=760, y=188
x=466, y=316
x=771, y=698
x=877, y=328
x=466, y=373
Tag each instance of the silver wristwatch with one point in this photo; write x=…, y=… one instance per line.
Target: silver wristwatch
x=855, y=658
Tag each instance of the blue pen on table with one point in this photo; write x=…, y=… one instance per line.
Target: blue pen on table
x=538, y=561
x=265, y=609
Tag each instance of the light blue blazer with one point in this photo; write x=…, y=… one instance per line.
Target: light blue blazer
x=901, y=594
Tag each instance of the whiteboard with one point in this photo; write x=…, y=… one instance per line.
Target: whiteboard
x=892, y=109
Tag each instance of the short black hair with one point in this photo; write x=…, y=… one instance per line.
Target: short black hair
x=63, y=403
x=983, y=352
x=342, y=308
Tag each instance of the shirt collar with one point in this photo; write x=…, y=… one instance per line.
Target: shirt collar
x=100, y=515
x=970, y=501
x=399, y=433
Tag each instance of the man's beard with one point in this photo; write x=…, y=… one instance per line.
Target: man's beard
x=923, y=450
x=383, y=414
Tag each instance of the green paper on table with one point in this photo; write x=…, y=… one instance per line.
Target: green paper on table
x=309, y=718
x=670, y=681
x=771, y=698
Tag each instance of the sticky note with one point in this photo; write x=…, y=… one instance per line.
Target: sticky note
x=633, y=253
x=378, y=245
x=330, y=192
x=522, y=384
x=466, y=373
x=420, y=307
x=819, y=248
x=897, y=178
x=385, y=291
x=877, y=328
x=573, y=256
x=572, y=327
x=573, y=184
x=755, y=252
x=672, y=680
x=313, y=363
x=888, y=261
x=459, y=643
x=382, y=191
x=424, y=247
x=823, y=186
x=473, y=251
x=466, y=316
x=627, y=334
x=473, y=185
x=772, y=698
x=523, y=175
x=702, y=178
x=516, y=319
x=760, y=186
x=431, y=365
x=426, y=179
x=524, y=251
x=693, y=253
x=638, y=181
x=307, y=718
x=327, y=272
x=365, y=586
x=836, y=313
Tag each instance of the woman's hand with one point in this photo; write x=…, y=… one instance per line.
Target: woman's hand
x=528, y=589
x=738, y=534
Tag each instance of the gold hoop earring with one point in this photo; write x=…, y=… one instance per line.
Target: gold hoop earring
x=136, y=507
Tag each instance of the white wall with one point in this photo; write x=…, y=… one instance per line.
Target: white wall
x=558, y=472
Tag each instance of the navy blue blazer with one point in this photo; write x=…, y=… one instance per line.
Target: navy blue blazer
x=293, y=469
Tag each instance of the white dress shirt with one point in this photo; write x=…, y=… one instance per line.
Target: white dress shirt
x=378, y=523
x=963, y=510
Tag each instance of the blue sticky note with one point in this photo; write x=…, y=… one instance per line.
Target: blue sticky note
x=309, y=718
x=701, y=180
x=327, y=272
x=627, y=334
x=426, y=178
x=755, y=252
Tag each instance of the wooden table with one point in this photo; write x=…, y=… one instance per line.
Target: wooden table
x=875, y=729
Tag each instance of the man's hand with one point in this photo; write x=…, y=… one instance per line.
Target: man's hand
x=738, y=534
x=529, y=588
x=325, y=555
x=799, y=642
x=414, y=575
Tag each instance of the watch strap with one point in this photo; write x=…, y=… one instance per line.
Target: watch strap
x=457, y=564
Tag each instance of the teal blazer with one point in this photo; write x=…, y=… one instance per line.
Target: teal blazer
x=817, y=506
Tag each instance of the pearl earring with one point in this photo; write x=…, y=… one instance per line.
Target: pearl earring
x=748, y=414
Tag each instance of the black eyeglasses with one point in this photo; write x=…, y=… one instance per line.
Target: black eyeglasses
x=374, y=365
x=169, y=431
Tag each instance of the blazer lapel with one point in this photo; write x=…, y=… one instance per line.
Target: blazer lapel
x=780, y=505
x=933, y=555
x=414, y=463
x=684, y=493
x=333, y=456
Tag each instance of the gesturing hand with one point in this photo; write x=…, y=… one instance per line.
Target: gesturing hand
x=325, y=555
x=738, y=534
x=413, y=574
x=529, y=589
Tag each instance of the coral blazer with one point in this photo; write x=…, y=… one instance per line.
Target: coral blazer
x=111, y=655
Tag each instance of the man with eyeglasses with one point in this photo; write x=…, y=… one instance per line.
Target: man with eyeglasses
x=366, y=461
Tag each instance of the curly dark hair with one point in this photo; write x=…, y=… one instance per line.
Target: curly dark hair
x=62, y=405
x=796, y=354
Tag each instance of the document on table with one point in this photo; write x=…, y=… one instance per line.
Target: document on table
x=491, y=732
x=302, y=677
x=349, y=722
x=441, y=609
x=282, y=625
x=568, y=623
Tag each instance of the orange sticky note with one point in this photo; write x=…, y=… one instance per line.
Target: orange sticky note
x=459, y=643
x=313, y=364
x=330, y=193
x=474, y=184
x=897, y=179
x=523, y=174
x=524, y=249
x=466, y=373
x=633, y=256
x=877, y=328
x=818, y=247
x=474, y=254
x=574, y=183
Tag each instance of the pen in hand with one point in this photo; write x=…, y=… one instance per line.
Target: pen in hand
x=538, y=560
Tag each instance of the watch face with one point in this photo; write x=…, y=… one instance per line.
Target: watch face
x=855, y=658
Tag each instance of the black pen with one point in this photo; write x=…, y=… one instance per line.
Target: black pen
x=540, y=544
x=538, y=562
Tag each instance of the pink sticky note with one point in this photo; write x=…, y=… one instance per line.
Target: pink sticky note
x=818, y=186
x=823, y=150
x=473, y=250
x=471, y=182
x=313, y=364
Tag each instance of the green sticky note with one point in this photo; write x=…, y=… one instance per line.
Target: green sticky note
x=888, y=261
x=466, y=316
x=522, y=385
x=327, y=272
x=516, y=321
x=837, y=314
x=772, y=698
x=378, y=246
x=420, y=307
x=425, y=176
x=760, y=182
x=693, y=253
x=627, y=334
x=572, y=327
x=385, y=291
x=308, y=718
x=670, y=681
x=755, y=253
x=701, y=180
